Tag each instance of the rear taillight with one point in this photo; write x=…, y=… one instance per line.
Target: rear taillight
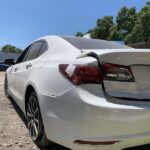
x=80, y=74
x=120, y=73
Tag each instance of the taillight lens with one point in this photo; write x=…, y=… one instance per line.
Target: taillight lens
x=120, y=73
x=79, y=74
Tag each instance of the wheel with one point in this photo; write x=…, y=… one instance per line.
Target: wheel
x=6, y=91
x=34, y=121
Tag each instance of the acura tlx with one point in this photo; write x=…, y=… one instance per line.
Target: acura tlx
x=84, y=94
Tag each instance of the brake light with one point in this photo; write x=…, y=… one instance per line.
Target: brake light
x=79, y=74
x=120, y=73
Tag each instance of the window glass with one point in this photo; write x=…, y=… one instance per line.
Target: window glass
x=23, y=55
x=34, y=50
x=83, y=43
x=43, y=49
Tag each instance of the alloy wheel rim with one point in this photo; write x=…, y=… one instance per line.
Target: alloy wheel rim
x=33, y=118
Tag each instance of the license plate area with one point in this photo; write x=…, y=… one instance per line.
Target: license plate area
x=142, y=80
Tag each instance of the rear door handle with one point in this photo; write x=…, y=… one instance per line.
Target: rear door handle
x=28, y=66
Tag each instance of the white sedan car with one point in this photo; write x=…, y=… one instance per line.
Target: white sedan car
x=85, y=94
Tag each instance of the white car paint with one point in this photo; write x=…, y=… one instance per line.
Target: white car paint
x=84, y=112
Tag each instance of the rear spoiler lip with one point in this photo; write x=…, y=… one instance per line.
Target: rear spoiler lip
x=84, y=52
x=83, y=55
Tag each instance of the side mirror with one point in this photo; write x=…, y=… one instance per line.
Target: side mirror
x=9, y=62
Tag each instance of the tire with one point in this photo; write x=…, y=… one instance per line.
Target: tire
x=34, y=121
x=6, y=91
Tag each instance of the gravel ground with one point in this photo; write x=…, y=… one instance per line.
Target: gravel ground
x=13, y=131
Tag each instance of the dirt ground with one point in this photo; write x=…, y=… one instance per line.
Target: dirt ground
x=13, y=131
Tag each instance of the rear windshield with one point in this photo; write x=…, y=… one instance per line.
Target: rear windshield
x=83, y=43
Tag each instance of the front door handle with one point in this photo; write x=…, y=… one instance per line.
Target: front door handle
x=28, y=66
x=15, y=69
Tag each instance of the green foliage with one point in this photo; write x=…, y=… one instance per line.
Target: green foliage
x=144, y=21
x=148, y=3
x=130, y=26
x=127, y=19
x=89, y=31
x=116, y=34
x=10, y=49
x=102, y=30
x=137, y=35
x=79, y=34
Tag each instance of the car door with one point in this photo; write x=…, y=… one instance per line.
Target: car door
x=12, y=79
x=24, y=69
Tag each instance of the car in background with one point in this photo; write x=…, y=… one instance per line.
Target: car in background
x=85, y=94
x=3, y=67
x=6, y=64
x=9, y=56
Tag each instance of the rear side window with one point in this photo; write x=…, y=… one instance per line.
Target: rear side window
x=83, y=43
x=43, y=48
x=34, y=50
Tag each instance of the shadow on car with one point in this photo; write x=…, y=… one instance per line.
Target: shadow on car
x=143, y=147
x=23, y=118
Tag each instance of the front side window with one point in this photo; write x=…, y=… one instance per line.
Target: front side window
x=23, y=55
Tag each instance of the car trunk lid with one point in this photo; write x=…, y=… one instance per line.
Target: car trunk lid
x=138, y=60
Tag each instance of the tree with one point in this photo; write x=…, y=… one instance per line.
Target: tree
x=127, y=18
x=137, y=35
x=141, y=30
x=148, y=3
x=102, y=30
x=130, y=26
x=144, y=20
x=79, y=34
x=10, y=49
x=116, y=34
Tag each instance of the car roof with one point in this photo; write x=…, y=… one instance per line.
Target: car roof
x=88, y=43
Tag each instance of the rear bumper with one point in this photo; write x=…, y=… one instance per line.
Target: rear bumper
x=80, y=115
x=126, y=143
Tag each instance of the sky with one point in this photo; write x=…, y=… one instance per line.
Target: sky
x=22, y=21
